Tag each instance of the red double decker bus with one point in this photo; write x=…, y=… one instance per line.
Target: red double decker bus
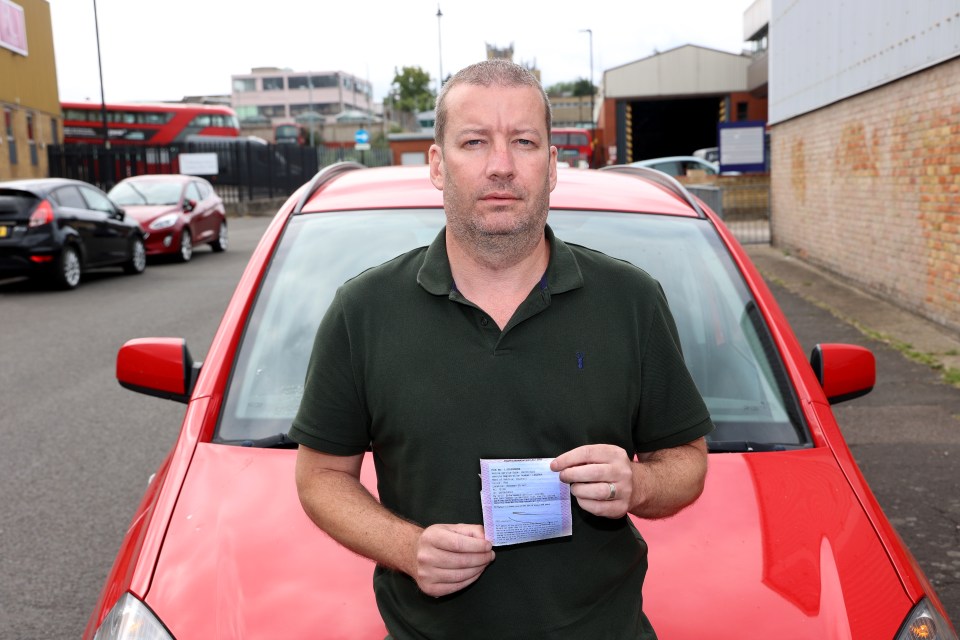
x=574, y=146
x=137, y=123
x=288, y=133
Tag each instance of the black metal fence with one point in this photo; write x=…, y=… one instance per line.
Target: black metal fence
x=244, y=170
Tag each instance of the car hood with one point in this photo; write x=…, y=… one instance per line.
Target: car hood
x=777, y=543
x=145, y=214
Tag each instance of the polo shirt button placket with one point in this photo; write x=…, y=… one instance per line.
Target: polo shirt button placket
x=484, y=321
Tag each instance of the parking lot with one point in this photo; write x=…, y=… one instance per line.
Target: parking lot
x=78, y=449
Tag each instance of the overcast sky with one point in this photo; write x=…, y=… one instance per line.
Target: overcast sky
x=165, y=50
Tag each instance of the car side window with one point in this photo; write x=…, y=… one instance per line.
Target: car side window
x=671, y=168
x=193, y=193
x=97, y=201
x=69, y=197
x=696, y=166
x=204, y=189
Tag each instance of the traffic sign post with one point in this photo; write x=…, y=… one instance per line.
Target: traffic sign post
x=361, y=142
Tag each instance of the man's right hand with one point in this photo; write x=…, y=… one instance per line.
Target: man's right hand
x=451, y=557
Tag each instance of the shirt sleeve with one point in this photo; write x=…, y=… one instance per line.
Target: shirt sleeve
x=331, y=417
x=672, y=411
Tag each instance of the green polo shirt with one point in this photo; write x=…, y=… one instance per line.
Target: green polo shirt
x=403, y=363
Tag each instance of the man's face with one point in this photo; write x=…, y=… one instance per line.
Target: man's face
x=496, y=167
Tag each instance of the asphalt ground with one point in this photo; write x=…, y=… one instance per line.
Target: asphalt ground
x=905, y=434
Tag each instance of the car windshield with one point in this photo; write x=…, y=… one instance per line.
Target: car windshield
x=146, y=193
x=726, y=344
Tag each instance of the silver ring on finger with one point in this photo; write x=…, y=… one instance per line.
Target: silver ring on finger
x=613, y=491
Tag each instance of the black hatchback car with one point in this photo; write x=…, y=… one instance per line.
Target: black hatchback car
x=56, y=229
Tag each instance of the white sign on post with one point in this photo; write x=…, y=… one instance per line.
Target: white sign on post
x=199, y=164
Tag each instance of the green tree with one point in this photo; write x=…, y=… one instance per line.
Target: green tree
x=581, y=87
x=410, y=91
x=560, y=88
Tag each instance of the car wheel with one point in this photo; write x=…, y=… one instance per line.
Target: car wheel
x=67, y=274
x=138, y=257
x=186, y=246
x=222, y=241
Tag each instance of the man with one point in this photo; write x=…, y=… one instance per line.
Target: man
x=499, y=341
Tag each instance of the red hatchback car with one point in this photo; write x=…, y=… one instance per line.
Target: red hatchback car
x=177, y=213
x=787, y=541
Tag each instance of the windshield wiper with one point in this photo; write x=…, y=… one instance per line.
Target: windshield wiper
x=745, y=446
x=277, y=441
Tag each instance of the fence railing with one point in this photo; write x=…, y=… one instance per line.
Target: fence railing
x=245, y=170
x=743, y=206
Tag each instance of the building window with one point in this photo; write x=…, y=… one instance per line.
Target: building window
x=273, y=84
x=8, y=128
x=300, y=82
x=32, y=140
x=741, y=111
x=244, y=85
x=54, y=131
x=272, y=111
x=248, y=114
x=308, y=81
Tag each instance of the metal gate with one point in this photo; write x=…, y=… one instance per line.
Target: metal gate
x=743, y=205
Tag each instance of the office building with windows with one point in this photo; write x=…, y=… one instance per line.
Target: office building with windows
x=270, y=96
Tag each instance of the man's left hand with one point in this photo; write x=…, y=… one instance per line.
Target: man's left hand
x=600, y=477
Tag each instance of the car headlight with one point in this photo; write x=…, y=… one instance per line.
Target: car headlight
x=926, y=623
x=164, y=222
x=130, y=619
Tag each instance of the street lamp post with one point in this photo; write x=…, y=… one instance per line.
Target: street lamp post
x=439, y=49
x=103, y=103
x=593, y=91
x=312, y=122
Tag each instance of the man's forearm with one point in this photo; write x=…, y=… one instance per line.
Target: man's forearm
x=344, y=509
x=666, y=481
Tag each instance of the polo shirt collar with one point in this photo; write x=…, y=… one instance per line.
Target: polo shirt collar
x=563, y=272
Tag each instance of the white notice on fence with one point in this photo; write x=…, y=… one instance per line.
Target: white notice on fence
x=199, y=164
x=523, y=500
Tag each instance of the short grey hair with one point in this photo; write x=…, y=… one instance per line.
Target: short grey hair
x=488, y=73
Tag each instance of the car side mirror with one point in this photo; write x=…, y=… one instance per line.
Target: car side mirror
x=189, y=205
x=845, y=371
x=159, y=367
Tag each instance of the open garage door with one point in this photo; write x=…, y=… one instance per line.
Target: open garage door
x=671, y=127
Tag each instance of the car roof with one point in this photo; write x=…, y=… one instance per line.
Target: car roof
x=40, y=185
x=403, y=187
x=672, y=159
x=161, y=177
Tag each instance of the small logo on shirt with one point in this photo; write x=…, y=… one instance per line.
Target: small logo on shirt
x=579, y=359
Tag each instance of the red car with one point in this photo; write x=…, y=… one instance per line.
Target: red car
x=177, y=213
x=787, y=540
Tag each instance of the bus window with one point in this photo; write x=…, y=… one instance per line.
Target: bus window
x=288, y=134
x=574, y=146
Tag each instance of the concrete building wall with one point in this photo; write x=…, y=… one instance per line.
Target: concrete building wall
x=869, y=188
x=683, y=71
x=822, y=51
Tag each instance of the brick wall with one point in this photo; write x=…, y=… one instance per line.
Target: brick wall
x=869, y=188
